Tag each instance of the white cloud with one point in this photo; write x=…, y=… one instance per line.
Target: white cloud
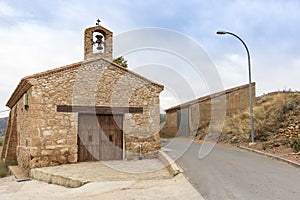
x=30, y=48
x=233, y=69
x=8, y=11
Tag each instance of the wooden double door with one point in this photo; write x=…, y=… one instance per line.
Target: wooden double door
x=100, y=137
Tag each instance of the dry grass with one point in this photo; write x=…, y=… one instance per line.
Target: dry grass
x=3, y=169
x=1, y=142
x=272, y=113
x=3, y=166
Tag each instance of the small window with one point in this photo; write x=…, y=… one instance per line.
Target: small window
x=90, y=138
x=26, y=142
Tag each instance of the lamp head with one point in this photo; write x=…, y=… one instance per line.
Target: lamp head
x=221, y=32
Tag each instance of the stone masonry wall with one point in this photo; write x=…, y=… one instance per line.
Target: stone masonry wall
x=24, y=128
x=170, y=127
x=88, y=43
x=236, y=100
x=118, y=87
x=52, y=136
x=292, y=131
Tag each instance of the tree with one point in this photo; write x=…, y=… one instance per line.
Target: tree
x=121, y=61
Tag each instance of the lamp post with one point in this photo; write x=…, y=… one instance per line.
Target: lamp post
x=250, y=85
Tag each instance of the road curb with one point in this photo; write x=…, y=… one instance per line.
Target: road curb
x=169, y=163
x=271, y=156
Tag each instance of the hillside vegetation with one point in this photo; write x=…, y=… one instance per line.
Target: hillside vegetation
x=273, y=114
x=3, y=125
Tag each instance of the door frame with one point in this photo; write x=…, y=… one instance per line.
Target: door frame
x=80, y=109
x=87, y=114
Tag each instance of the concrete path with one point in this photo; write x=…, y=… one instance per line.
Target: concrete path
x=113, y=180
x=176, y=188
x=76, y=175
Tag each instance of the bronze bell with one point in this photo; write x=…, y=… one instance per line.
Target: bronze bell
x=99, y=42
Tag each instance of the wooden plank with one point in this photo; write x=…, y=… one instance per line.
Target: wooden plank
x=18, y=173
x=111, y=142
x=100, y=137
x=88, y=145
x=105, y=110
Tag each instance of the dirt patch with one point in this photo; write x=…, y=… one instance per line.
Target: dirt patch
x=280, y=151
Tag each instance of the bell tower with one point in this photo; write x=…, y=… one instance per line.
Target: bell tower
x=97, y=42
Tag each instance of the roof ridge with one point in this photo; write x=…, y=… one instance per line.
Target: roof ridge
x=132, y=72
x=53, y=71
x=209, y=96
x=25, y=82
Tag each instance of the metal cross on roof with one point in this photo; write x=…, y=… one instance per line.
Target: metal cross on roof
x=98, y=22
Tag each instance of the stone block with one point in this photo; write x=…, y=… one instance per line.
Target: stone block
x=65, y=123
x=36, y=142
x=72, y=158
x=44, y=162
x=35, y=162
x=62, y=159
x=64, y=151
x=61, y=141
x=52, y=122
x=51, y=147
x=47, y=152
x=34, y=152
x=74, y=149
x=46, y=133
x=63, y=131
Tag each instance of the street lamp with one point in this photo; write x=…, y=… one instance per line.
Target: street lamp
x=250, y=85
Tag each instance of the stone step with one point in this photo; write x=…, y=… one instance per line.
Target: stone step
x=76, y=175
x=18, y=173
x=41, y=175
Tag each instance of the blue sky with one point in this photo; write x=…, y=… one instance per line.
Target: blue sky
x=40, y=35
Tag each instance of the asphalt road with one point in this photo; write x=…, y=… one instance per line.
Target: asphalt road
x=232, y=173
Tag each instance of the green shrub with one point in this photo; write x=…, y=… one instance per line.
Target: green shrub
x=3, y=169
x=264, y=146
x=295, y=144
